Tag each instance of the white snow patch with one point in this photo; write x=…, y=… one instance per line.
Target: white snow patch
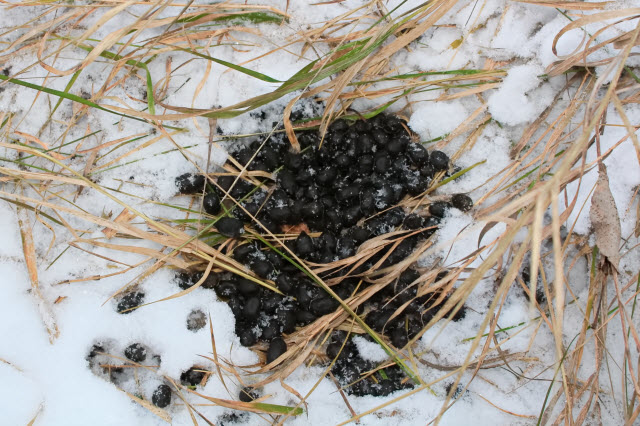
x=517, y=101
x=370, y=351
x=435, y=119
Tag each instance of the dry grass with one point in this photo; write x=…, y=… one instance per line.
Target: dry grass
x=550, y=155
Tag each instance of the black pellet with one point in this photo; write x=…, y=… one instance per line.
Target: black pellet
x=247, y=395
x=287, y=319
x=382, y=164
x=417, y=154
x=439, y=208
x=462, y=202
x=277, y=347
x=251, y=308
x=161, y=396
x=130, y=302
x=136, y=352
x=285, y=283
x=313, y=210
x=243, y=252
x=230, y=227
x=190, y=183
x=287, y=181
x=439, y=160
x=262, y=268
x=192, y=377
x=304, y=317
x=211, y=203
x=248, y=337
x=293, y=161
x=247, y=287
x=324, y=305
x=304, y=245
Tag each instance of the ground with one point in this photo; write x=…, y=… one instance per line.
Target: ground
x=502, y=87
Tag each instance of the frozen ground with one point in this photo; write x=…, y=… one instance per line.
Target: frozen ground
x=52, y=382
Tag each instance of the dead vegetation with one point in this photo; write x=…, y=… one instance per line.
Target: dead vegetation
x=550, y=155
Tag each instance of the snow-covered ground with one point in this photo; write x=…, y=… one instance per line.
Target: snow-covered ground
x=52, y=382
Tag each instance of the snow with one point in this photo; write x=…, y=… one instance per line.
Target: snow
x=437, y=119
x=517, y=101
x=370, y=351
x=53, y=381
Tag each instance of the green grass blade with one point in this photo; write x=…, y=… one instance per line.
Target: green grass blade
x=142, y=65
x=278, y=409
x=251, y=17
x=68, y=87
x=28, y=207
x=460, y=173
x=69, y=96
x=238, y=68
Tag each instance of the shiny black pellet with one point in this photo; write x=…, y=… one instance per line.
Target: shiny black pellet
x=277, y=347
x=462, y=202
x=130, y=302
x=439, y=208
x=262, y=268
x=211, y=203
x=417, y=154
x=161, y=396
x=230, y=227
x=190, y=183
x=247, y=395
x=439, y=160
x=136, y=352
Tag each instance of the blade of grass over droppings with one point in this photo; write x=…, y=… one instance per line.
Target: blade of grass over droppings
x=458, y=174
x=347, y=309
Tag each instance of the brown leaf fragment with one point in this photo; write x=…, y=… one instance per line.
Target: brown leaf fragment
x=605, y=220
x=125, y=216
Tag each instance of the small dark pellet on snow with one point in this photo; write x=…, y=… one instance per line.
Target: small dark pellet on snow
x=161, y=397
x=462, y=202
x=196, y=320
x=439, y=208
x=136, y=352
x=247, y=394
x=192, y=377
x=190, y=183
x=130, y=302
x=95, y=349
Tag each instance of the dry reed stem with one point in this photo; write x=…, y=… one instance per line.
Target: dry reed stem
x=522, y=206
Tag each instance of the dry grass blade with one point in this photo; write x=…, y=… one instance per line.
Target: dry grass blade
x=147, y=405
x=32, y=267
x=353, y=63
